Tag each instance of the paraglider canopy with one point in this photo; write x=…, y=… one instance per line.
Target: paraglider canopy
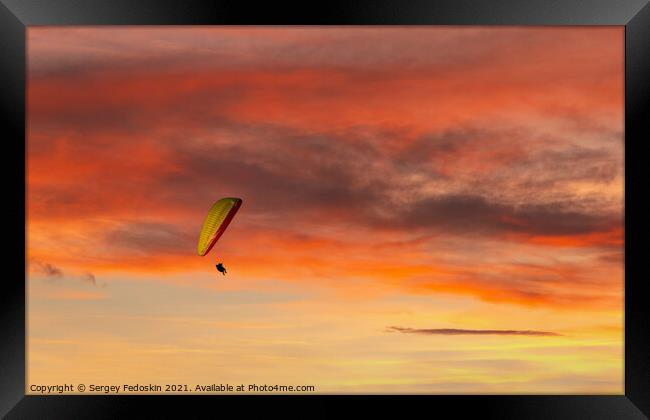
x=216, y=222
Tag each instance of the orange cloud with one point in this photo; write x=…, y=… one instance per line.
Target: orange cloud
x=359, y=168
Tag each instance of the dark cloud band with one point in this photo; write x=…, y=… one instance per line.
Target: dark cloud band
x=455, y=331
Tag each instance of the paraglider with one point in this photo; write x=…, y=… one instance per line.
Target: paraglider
x=219, y=217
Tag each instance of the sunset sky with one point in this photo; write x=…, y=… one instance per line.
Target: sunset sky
x=425, y=209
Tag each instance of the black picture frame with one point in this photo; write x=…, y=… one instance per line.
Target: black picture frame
x=17, y=15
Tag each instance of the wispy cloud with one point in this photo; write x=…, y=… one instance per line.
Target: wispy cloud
x=456, y=331
x=89, y=278
x=53, y=272
x=158, y=238
x=50, y=270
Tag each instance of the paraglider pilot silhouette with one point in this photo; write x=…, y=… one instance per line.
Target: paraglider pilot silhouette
x=219, y=217
x=221, y=268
